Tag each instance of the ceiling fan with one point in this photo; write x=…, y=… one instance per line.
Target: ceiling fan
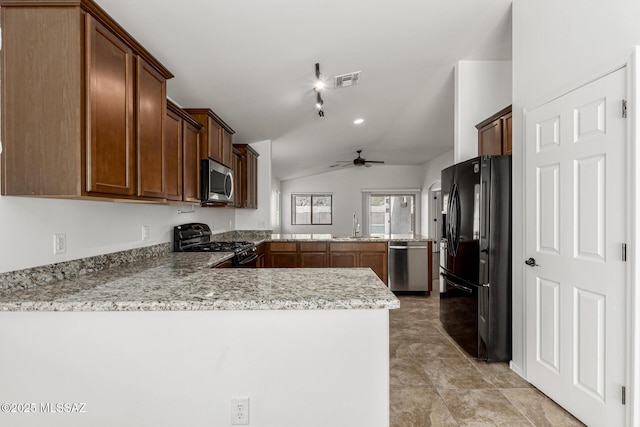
x=358, y=161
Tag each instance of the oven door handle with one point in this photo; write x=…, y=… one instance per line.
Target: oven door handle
x=248, y=260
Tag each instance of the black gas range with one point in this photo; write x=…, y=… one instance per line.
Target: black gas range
x=196, y=237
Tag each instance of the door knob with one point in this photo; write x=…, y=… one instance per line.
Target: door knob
x=531, y=262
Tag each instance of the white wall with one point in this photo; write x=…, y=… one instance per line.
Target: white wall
x=346, y=186
x=558, y=46
x=481, y=89
x=432, y=171
x=311, y=368
x=276, y=206
x=259, y=219
x=27, y=226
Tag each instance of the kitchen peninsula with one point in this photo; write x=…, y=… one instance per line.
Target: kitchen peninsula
x=169, y=341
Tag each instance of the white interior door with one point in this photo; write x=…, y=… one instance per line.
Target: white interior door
x=575, y=195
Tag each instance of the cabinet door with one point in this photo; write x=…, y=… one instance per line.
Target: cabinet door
x=506, y=134
x=377, y=261
x=260, y=261
x=312, y=260
x=173, y=165
x=343, y=259
x=252, y=181
x=110, y=153
x=312, y=254
x=237, y=180
x=246, y=179
x=227, y=148
x=490, y=139
x=151, y=102
x=282, y=260
x=214, y=146
x=190, y=163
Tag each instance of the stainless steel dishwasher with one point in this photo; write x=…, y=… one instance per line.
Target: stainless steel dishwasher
x=408, y=266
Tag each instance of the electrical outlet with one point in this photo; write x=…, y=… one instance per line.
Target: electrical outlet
x=261, y=224
x=230, y=223
x=145, y=233
x=240, y=411
x=59, y=243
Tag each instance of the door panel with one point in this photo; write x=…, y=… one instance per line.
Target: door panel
x=151, y=111
x=589, y=342
x=575, y=220
x=548, y=324
x=589, y=199
x=109, y=91
x=548, y=209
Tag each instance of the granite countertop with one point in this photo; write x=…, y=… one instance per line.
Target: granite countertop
x=185, y=282
x=330, y=238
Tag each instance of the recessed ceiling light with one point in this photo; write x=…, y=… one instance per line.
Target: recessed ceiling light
x=358, y=121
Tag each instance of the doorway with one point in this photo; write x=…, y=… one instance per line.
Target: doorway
x=391, y=214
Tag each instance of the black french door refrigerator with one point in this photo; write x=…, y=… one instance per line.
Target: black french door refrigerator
x=475, y=307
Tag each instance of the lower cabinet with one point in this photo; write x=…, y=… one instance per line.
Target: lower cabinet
x=360, y=254
x=312, y=255
x=260, y=251
x=328, y=254
x=281, y=255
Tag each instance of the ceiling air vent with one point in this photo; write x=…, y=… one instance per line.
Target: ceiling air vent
x=346, y=80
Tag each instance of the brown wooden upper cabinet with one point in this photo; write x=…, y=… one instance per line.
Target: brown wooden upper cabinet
x=150, y=112
x=215, y=136
x=494, y=134
x=237, y=178
x=248, y=176
x=83, y=112
x=182, y=145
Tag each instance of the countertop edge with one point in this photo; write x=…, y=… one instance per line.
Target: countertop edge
x=244, y=305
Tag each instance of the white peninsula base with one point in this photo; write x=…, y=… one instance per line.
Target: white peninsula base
x=181, y=368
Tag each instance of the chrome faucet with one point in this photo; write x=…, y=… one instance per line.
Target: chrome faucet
x=356, y=226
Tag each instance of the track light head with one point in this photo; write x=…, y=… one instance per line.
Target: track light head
x=317, y=88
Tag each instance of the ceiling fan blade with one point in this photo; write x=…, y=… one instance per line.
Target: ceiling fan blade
x=374, y=161
x=344, y=161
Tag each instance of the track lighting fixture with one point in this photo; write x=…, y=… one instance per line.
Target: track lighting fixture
x=318, y=87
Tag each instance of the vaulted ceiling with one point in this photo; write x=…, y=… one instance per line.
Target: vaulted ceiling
x=253, y=63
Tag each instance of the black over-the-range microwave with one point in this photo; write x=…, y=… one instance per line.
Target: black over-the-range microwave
x=216, y=182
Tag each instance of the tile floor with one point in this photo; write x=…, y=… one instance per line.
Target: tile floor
x=435, y=383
